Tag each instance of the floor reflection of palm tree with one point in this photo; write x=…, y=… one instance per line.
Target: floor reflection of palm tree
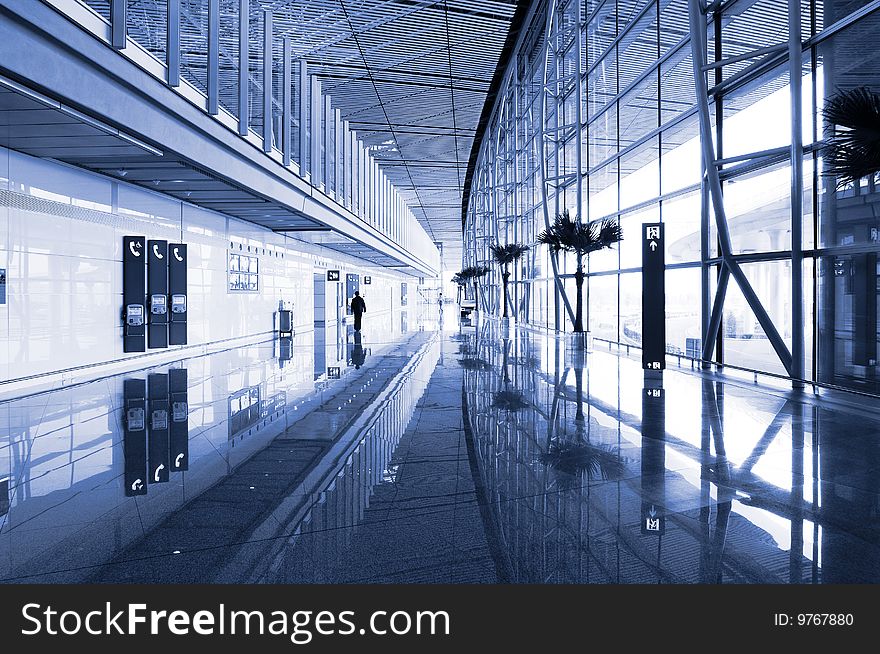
x=573, y=455
x=508, y=399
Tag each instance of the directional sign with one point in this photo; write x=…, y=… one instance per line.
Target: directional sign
x=332, y=275
x=653, y=298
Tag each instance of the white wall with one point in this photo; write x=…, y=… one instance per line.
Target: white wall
x=61, y=232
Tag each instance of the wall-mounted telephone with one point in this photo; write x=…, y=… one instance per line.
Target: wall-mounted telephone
x=135, y=419
x=179, y=411
x=158, y=305
x=178, y=304
x=159, y=420
x=134, y=315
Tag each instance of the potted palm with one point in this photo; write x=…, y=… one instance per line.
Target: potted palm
x=505, y=255
x=568, y=235
x=852, y=150
x=460, y=283
x=472, y=274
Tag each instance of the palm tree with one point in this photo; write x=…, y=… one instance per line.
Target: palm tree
x=505, y=255
x=472, y=274
x=853, y=146
x=570, y=235
x=460, y=282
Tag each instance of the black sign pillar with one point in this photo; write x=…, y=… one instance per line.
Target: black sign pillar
x=653, y=460
x=179, y=427
x=177, y=290
x=157, y=293
x=158, y=419
x=134, y=317
x=653, y=298
x=134, y=422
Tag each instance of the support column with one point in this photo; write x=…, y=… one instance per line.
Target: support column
x=795, y=53
x=244, y=11
x=267, y=82
x=172, y=42
x=213, y=56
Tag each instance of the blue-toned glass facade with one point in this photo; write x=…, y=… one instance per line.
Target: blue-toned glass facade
x=598, y=114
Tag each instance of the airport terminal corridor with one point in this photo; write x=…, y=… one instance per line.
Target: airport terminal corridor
x=442, y=292
x=431, y=450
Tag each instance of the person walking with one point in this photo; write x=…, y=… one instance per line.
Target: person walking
x=358, y=308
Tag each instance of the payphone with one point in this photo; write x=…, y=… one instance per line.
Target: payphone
x=157, y=290
x=177, y=289
x=133, y=292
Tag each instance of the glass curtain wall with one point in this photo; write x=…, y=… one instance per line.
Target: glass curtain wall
x=598, y=116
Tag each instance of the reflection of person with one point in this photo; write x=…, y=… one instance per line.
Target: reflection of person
x=358, y=356
x=358, y=308
x=440, y=302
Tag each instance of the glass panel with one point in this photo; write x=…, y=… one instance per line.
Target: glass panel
x=631, y=245
x=601, y=32
x=228, y=77
x=602, y=138
x=758, y=209
x=640, y=174
x=681, y=156
x=683, y=311
x=102, y=7
x=847, y=61
x=745, y=343
x=677, y=93
x=638, y=111
x=638, y=48
x=848, y=320
x=148, y=25
x=603, y=192
x=601, y=85
x=194, y=43
x=681, y=215
x=255, y=61
x=603, y=306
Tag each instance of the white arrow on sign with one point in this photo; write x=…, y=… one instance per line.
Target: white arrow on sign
x=177, y=460
x=653, y=246
x=137, y=485
x=134, y=248
x=652, y=512
x=177, y=255
x=156, y=252
x=158, y=470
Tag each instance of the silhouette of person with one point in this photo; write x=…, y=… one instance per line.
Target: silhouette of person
x=358, y=308
x=358, y=356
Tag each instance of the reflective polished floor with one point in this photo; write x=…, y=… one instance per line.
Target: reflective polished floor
x=435, y=452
